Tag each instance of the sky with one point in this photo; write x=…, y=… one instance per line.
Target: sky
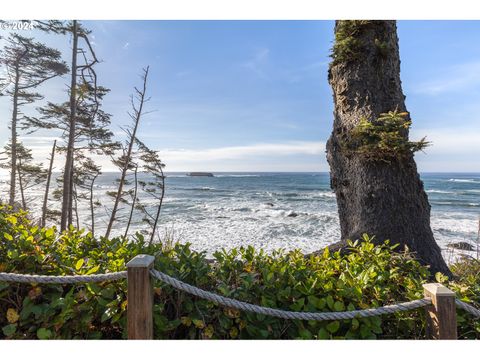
x=254, y=95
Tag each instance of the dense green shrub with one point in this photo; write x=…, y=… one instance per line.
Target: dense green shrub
x=369, y=276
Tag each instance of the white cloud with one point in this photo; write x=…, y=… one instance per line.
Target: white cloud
x=306, y=71
x=288, y=156
x=183, y=73
x=245, y=152
x=451, y=150
x=450, y=141
x=456, y=78
x=257, y=62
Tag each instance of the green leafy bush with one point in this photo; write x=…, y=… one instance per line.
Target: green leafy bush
x=369, y=276
x=383, y=139
x=467, y=286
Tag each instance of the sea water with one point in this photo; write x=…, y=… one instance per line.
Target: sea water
x=276, y=210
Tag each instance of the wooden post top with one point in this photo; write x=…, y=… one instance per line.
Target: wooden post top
x=436, y=289
x=141, y=261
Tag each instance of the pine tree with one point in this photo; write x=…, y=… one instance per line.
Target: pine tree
x=124, y=160
x=84, y=125
x=85, y=174
x=154, y=186
x=28, y=64
x=29, y=174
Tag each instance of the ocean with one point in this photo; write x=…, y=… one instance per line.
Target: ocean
x=280, y=210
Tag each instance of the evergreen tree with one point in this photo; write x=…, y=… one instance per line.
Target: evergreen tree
x=84, y=125
x=154, y=186
x=28, y=64
x=85, y=174
x=29, y=174
x=124, y=160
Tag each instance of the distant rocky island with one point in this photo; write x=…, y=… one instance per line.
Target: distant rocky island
x=200, y=174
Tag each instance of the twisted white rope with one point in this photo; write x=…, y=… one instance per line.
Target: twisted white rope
x=232, y=303
x=67, y=279
x=293, y=315
x=468, y=308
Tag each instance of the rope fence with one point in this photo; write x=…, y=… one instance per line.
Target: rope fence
x=284, y=314
x=439, y=301
x=65, y=279
x=468, y=308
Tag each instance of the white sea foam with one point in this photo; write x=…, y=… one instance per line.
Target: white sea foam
x=236, y=175
x=434, y=191
x=465, y=180
x=237, y=212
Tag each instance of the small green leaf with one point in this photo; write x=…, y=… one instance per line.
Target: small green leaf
x=333, y=327
x=44, y=334
x=108, y=314
x=9, y=330
x=8, y=236
x=49, y=233
x=298, y=305
x=365, y=331
x=79, y=264
x=338, y=306
x=323, y=334
x=330, y=301
x=12, y=219
x=198, y=323
x=93, y=270
x=305, y=334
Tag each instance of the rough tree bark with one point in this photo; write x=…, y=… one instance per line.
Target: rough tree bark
x=384, y=199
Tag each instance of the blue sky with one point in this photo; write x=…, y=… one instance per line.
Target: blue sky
x=254, y=96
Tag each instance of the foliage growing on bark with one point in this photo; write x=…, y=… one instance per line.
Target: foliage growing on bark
x=347, y=45
x=383, y=139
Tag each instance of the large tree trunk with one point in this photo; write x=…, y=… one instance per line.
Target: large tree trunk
x=66, y=218
x=384, y=199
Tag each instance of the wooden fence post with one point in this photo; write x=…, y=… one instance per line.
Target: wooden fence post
x=442, y=314
x=140, y=298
